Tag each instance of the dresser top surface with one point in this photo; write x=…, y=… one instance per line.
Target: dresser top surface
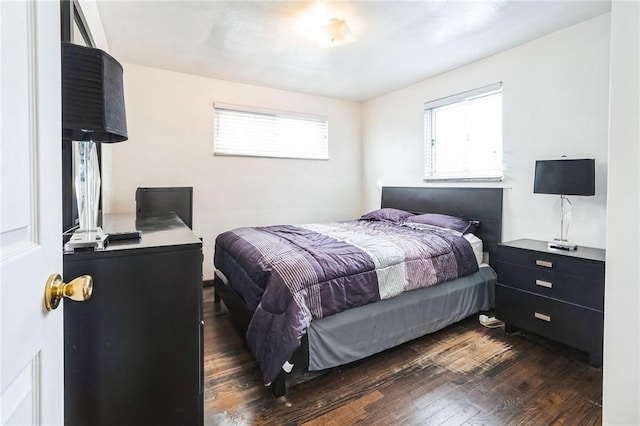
x=582, y=252
x=162, y=231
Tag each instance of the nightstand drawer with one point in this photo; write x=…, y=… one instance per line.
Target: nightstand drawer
x=549, y=283
x=549, y=262
x=573, y=325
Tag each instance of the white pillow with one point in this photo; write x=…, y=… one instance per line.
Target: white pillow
x=476, y=245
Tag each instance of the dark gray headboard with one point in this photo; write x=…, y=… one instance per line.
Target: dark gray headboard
x=482, y=204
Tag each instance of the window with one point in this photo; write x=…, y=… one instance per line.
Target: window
x=244, y=131
x=463, y=136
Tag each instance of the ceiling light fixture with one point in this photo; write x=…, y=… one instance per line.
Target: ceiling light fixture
x=335, y=33
x=316, y=22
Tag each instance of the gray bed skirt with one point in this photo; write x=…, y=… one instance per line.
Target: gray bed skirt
x=357, y=333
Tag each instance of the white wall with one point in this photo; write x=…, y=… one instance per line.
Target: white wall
x=170, y=123
x=621, y=390
x=555, y=102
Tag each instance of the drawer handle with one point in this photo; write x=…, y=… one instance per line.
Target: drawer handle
x=542, y=317
x=546, y=284
x=544, y=263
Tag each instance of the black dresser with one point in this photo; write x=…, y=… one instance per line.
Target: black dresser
x=133, y=352
x=553, y=293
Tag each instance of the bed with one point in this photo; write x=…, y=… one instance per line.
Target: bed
x=285, y=332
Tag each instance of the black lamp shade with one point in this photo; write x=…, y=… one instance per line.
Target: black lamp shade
x=92, y=96
x=565, y=177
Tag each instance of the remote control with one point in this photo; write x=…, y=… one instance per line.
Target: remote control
x=123, y=236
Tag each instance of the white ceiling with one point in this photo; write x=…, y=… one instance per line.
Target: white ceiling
x=259, y=42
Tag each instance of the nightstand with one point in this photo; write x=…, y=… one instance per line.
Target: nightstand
x=554, y=293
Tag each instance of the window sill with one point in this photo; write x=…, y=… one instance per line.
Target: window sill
x=465, y=179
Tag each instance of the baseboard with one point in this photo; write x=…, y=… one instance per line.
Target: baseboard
x=207, y=283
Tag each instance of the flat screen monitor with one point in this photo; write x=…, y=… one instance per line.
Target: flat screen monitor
x=159, y=200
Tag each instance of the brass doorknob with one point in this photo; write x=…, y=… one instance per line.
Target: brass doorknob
x=79, y=290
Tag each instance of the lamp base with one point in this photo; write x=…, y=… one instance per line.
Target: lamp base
x=86, y=239
x=561, y=245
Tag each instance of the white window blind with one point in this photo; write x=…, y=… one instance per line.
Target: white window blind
x=463, y=136
x=245, y=131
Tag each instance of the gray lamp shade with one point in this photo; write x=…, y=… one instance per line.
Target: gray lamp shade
x=92, y=96
x=565, y=177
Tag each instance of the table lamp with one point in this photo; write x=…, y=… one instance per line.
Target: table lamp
x=564, y=177
x=92, y=112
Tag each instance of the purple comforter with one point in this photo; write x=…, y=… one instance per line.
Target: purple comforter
x=316, y=270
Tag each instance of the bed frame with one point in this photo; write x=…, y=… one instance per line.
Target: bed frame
x=482, y=204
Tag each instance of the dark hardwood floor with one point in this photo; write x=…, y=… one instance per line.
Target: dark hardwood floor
x=463, y=375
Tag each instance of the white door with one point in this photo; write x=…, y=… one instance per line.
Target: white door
x=31, y=351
